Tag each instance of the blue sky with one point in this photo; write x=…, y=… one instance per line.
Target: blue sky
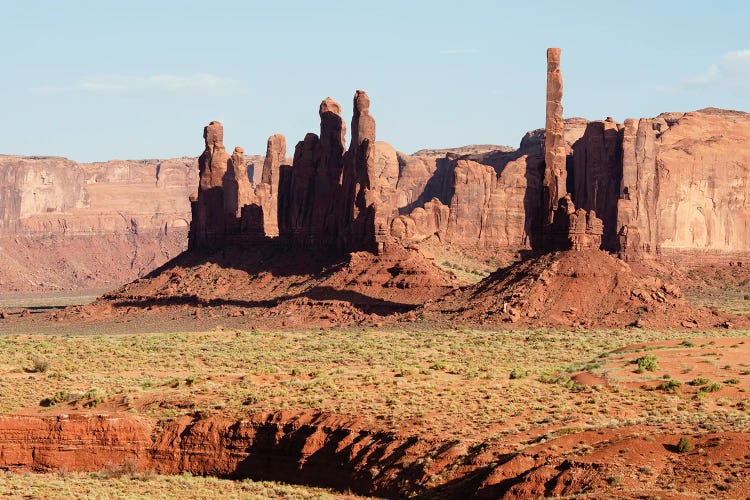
x=132, y=79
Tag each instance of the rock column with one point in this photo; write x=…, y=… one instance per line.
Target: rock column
x=268, y=188
x=238, y=191
x=209, y=224
x=555, y=153
x=563, y=227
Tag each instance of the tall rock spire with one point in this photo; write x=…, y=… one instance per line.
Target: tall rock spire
x=555, y=175
x=565, y=227
x=208, y=224
x=267, y=190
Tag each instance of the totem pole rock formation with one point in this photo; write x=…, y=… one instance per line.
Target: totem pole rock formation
x=564, y=227
x=555, y=174
x=329, y=199
x=208, y=226
x=370, y=179
x=268, y=189
x=309, y=199
x=238, y=191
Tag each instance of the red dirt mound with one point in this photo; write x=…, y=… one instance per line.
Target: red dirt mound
x=590, y=289
x=283, y=289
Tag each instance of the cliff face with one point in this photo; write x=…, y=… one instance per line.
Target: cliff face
x=702, y=183
x=31, y=186
x=667, y=186
x=488, y=206
x=58, y=196
x=68, y=225
x=672, y=184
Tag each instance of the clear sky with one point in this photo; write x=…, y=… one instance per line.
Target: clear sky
x=98, y=80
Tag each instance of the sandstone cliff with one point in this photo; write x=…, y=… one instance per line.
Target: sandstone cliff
x=68, y=225
x=673, y=184
x=668, y=186
x=328, y=199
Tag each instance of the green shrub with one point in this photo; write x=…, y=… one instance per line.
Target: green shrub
x=518, y=373
x=59, y=397
x=39, y=365
x=699, y=381
x=647, y=363
x=669, y=385
x=684, y=445
x=713, y=387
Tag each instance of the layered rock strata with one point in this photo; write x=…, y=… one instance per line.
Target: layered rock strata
x=674, y=184
x=562, y=227
x=67, y=225
x=208, y=226
x=330, y=198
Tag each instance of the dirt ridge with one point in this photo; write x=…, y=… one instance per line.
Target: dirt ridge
x=327, y=450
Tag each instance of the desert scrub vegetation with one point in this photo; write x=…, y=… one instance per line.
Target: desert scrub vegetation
x=685, y=445
x=134, y=485
x=456, y=382
x=646, y=363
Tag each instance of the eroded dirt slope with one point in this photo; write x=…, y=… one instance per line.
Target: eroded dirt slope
x=589, y=289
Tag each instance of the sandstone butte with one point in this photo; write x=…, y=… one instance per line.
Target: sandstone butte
x=350, y=223
x=671, y=187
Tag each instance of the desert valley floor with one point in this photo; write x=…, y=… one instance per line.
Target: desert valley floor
x=399, y=406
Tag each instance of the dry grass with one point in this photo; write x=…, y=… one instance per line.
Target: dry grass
x=455, y=383
x=96, y=485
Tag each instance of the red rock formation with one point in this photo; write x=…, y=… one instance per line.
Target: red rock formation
x=562, y=227
x=309, y=191
x=66, y=225
x=423, y=222
x=597, y=187
x=469, y=207
x=555, y=172
x=575, y=229
x=492, y=203
x=369, y=182
x=208, y=227
x=338, y=452
x=332, y=199
x=674, y=184
x=237, y=189
x=267, y=189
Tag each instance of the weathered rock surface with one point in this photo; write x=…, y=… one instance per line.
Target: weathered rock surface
x=347, y=454
x=267, y=189
x=68, y=225
x=328, y=199
x=422, y=178
x=208, y=225
x=470, y=149
x=594, y=183
x=237, y=189
x=582, y=288
x=555, y=172
x=559, y=226
x=491, y=201
x=676, y=183
x=31, y=186
x=371, y=177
